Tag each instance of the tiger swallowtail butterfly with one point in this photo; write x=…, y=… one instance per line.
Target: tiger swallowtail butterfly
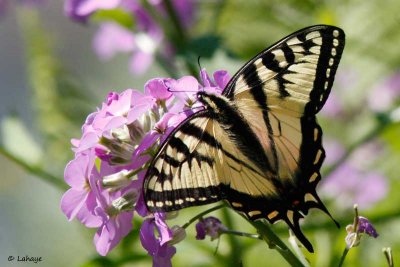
x=257, y=145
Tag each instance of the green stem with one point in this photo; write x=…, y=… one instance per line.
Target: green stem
x=345, y=251
x=176, y=35
x=214, y=22
x=388, y=255
x=35, y=170
x=232, y=232
x=180, y=38
x=170, y=69
x=274, y=242
x=180, y=31
x=236, y=250
x=200, y=215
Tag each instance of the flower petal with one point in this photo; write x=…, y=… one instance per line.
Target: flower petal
x=111, y=38
x=221, y=78
x=140, y=62
x=163, y=229
x=157, y=89
x=72, y=201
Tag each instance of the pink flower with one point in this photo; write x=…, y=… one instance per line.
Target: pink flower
x=112, y=38
x=121, y=137
x=145, y=43
x=364, y=226
x=185, y=90
x=80, y=10
x=347, y=184
x=79, y=201
x=115, y=210
x=211, y=226
x=385, y=94
x=221, y=79
x=157, y=89
x=158, y=248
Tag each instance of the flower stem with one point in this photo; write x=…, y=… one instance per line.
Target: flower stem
x=274, y=242
x=388, y=256
x=232, y=232
x=35, y=170
x=345, y=251
x=181, y=34
x=236, y=250
x=297, y=250
x=180, y=38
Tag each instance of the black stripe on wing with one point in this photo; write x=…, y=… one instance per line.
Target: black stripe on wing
x=333, y=42
x=256, y=90
x=165, y=169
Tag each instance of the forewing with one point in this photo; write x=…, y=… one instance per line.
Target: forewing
x=296, y=73
x=200, y=164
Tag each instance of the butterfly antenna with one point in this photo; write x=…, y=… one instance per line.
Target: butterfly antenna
x=179, y=91
x=199, y=63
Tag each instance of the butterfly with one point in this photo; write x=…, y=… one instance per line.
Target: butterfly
x=257, y=145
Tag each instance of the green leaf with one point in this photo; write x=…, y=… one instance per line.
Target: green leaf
x=205, y=45
x=17, y=139
x=117, y=15
x=391, y=136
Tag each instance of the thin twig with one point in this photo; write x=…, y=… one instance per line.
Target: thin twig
x=35, y=170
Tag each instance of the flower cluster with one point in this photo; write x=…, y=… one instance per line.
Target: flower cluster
x=111, y=157
x=146, y=42
x=210, y=226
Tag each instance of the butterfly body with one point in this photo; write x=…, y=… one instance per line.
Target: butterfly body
x=258, y=145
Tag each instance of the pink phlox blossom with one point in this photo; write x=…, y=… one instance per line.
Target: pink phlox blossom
x=221, y=79
x=80, y=10
x=112, y=38
x=79, y=201
x=210, y=226
x=121, y=137
x=116, y=221
x=157, y=247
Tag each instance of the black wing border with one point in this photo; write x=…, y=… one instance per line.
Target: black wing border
x=321, y=70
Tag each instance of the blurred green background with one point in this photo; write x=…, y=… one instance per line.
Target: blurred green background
x=51, y=79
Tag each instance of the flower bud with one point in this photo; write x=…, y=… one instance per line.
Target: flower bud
x=211, y=226
x=178, y=234
x=126, y=202
x=117, y=181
